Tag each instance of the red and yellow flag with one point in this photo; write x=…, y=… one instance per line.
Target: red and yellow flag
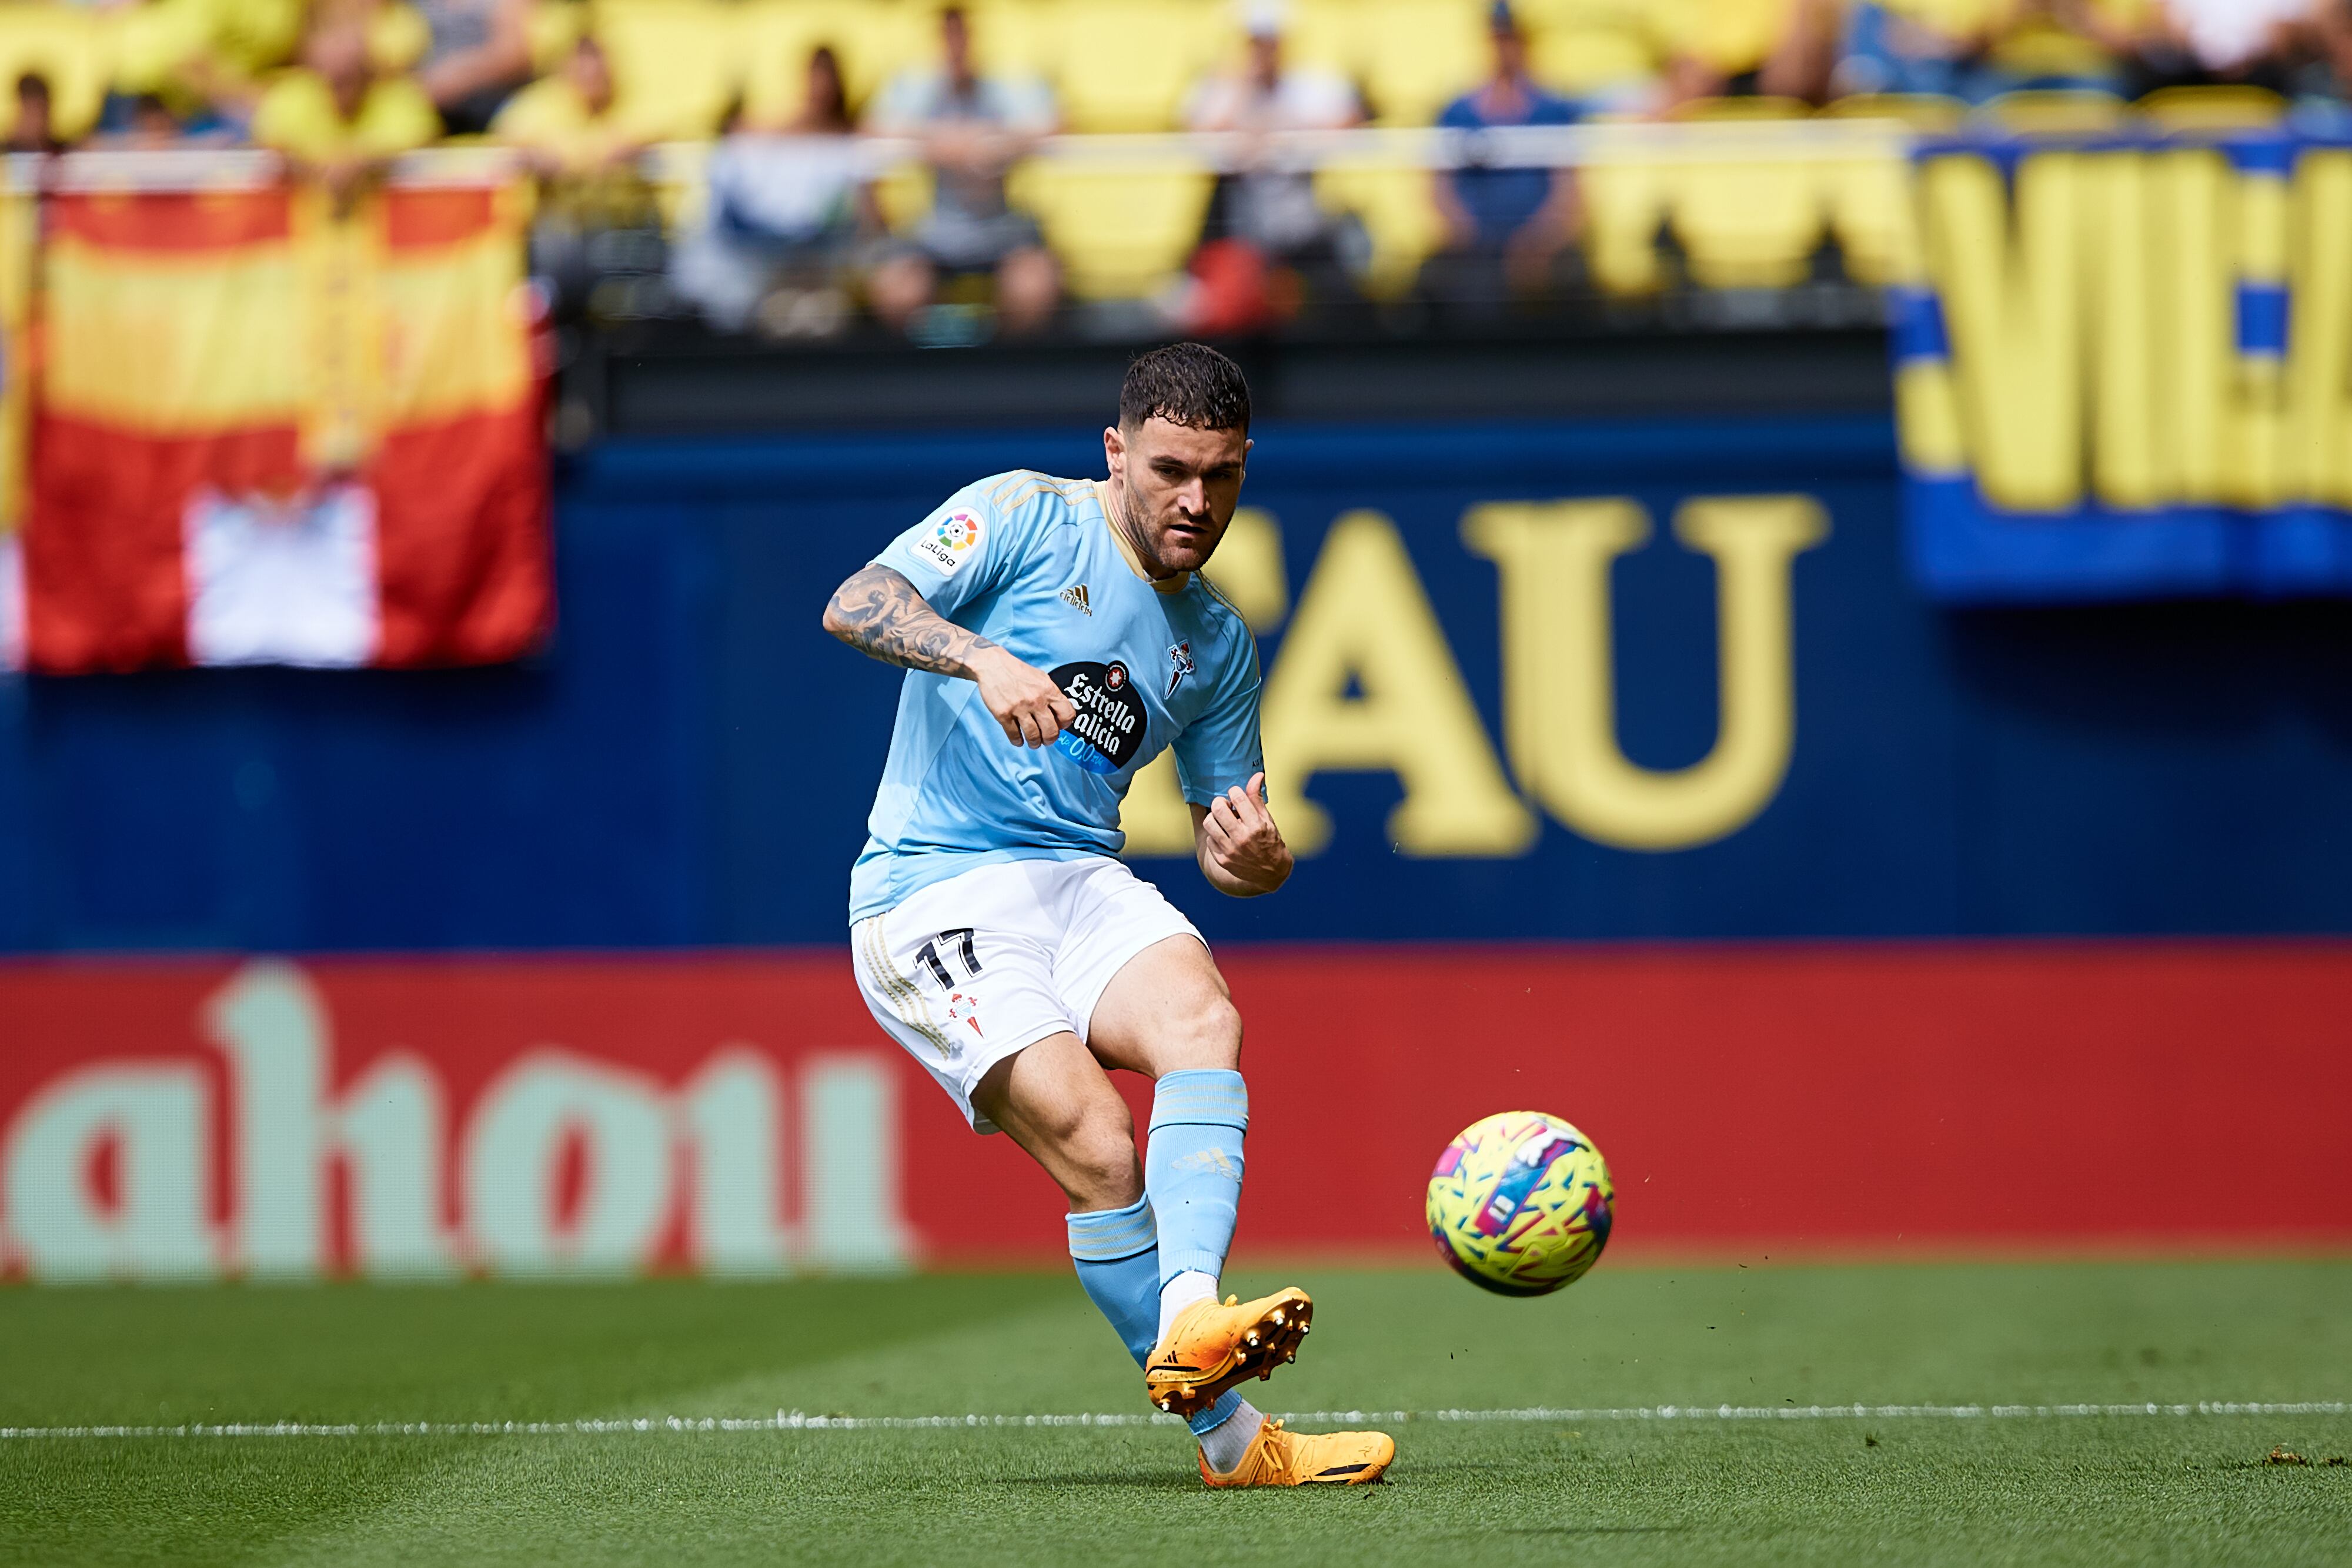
x=266, y=432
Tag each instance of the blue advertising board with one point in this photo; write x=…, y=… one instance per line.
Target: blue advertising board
x=1590, y=681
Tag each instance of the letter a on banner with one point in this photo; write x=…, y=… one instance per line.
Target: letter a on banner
x=1365, y=620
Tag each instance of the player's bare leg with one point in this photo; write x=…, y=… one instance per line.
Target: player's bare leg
x=1053, y=1099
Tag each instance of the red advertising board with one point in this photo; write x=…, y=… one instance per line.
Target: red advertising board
x=742, y=1114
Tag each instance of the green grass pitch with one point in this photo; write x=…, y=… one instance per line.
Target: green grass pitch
x=1591, y=1487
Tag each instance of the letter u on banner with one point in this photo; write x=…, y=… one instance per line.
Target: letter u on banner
x=1559, y=709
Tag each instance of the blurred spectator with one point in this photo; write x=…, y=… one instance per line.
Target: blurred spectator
x=973, y=130
x=1503, y=227
x=785, y=211
x=1269, y=203
x=334, y=117
x=210, y=59
x=143, y=123
x=2197, y=43
x=478, y=56
x=1886, y=50
x=1730, y=55
x=34, y=128
x=2051, y=45
x=564, y=123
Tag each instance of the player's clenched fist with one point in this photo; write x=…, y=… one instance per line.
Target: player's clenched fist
x=1023, y=698
x=1242, y=851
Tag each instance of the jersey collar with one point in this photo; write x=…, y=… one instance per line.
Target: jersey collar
x=1176, y=584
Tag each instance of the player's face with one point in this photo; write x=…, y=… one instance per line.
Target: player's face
x=1181, y=486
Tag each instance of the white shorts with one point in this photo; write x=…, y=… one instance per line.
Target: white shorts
x=968, y=971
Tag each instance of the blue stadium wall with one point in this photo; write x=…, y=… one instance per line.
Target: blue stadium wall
x=690, y=761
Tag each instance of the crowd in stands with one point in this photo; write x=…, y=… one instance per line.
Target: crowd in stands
x=791, y=232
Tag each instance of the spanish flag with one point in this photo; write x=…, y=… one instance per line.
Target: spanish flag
x=265, y=431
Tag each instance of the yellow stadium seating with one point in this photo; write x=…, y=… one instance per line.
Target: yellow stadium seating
x=877, y=40
x=2055, y=111
x=1871, y=203
x=1744, y=223
x=904, y=194
x=1625, y=200
x=1017, y=37
x=1584, y=47
x=673, y=63
x=1328, y=35
x=873, y=40
x=69, y=48
x=1723, y=110
x=1120, y=234
x=1871, y=210
x=1730, y=36
x=1922, y=111
x=1126, y=65
x=1392, y=202
x=555, y=27
x=2213, y=107
x=1421, y=54
x=773, y=46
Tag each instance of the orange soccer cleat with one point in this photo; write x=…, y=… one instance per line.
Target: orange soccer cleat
x=1280, y=1458
x=1209, y=1348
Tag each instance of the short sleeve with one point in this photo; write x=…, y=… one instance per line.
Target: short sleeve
x=288, y=118
x=1221, y=749
x=955, y=555
x=397, y=118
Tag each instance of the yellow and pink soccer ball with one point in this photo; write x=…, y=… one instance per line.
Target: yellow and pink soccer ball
x=1520, y=1204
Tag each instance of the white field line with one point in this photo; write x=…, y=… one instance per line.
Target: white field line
x=799, y=1421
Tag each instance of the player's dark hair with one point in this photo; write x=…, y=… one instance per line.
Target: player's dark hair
x=1190, y=384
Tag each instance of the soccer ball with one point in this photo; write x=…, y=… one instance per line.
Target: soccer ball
x=1519, y=1204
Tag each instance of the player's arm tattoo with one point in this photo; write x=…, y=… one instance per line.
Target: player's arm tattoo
x=878, y=612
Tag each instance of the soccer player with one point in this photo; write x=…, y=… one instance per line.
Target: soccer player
x=1059, y=636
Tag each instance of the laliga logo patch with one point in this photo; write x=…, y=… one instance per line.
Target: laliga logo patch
x=951, y=541
x=1108, y=730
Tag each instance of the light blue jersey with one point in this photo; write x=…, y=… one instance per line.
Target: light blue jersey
x=1031, y=564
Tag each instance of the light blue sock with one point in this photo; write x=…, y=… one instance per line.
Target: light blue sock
x=1116, y=1251
x=1124, y=1285
x=1193, y=1167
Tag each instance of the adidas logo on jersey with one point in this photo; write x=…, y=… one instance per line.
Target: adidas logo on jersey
x=1075, y=596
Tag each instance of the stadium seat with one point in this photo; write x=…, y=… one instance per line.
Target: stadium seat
x=904, y=194
x=555, y=27
x=1871, y=212
x=677, y=173
x=1393, y=203
x=1328, y=35
x=1921, y=111
x=1869, y=194
x=1731, y=36
x=877, y=40
x=2213, y=109
x=2054, y=112
x=673, y=63
x=1421, y=54
x=1722, y=111
x=70, y=48
x=1590, y=50
x=1126, y=65
x=773, y=43
x=1625, y=198
x=1121, y=232
x=1744, y=223
x=1017, y=37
